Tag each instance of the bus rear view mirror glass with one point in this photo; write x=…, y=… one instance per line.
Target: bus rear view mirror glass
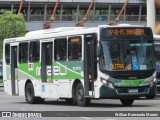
x=98, y=51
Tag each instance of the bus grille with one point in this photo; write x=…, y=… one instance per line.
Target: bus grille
x=126, y=90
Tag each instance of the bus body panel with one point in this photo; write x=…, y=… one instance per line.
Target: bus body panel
x=7, y=87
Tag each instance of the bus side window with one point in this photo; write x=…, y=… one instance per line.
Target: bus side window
x=60, y=49
x=23, y=52
x=34, y=51
x=7, y=53
x=74, y=48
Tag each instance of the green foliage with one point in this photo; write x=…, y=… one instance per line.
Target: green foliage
x=11, y=25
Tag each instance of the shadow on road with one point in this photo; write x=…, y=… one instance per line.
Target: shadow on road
x=92, y=105
x=1, y=89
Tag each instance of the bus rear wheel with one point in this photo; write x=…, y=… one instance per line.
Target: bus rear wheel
x=127, y=102
x=29, y=93
x=80, y=98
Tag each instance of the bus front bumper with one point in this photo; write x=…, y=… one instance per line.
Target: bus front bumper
x=124, y=92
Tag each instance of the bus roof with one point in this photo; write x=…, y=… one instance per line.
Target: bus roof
x=120, y=25
x=62, y=31
x=52, y=33
x=11, y=39
x=54, y=30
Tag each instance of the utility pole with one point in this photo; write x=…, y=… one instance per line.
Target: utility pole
x=151, y=14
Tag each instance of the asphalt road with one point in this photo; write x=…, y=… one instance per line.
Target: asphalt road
x=17, y=103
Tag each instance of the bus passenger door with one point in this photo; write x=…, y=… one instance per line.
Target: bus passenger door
x=14, y=76
x=46, y=67
x=90, y=63
x=46, y=61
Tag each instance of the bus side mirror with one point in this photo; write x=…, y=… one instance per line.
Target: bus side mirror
x=98, y=51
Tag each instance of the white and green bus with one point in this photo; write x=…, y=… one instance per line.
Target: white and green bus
x=81, y=63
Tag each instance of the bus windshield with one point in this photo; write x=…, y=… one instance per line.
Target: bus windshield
x=127, y=55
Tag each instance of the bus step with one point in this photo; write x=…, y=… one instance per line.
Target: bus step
x=89, y=96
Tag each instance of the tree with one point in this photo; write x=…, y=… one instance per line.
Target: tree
x=11, y=25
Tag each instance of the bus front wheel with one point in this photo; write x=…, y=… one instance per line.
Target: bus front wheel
x=127, y=102
x=80, y=98
x=150, y=96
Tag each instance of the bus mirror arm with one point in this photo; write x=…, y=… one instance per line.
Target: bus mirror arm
x=98, y=51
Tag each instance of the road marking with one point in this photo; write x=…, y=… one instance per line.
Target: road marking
x=87, y=118
x=62, y=114
x=109, y=119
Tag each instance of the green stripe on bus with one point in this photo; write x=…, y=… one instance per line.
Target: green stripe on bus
x=60, y=70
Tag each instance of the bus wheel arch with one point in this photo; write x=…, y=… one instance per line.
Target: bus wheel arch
x=80, y=96
x=30, y=95
x=73, y=99
x=28, y=81
x=29, y=92
x=76, y=82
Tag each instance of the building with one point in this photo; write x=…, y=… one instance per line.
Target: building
x=69, y=12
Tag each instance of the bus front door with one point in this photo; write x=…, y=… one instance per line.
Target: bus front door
x=90, y=63
x=14, y=72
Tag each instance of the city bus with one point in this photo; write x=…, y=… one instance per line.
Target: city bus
x=157, y=52
x=78, y=64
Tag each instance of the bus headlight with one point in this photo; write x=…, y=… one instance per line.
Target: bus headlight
x=107, y=83
x=153, y=80
x=104, y=81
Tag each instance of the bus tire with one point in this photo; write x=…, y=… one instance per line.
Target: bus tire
x=29, y=90
x=40, y=100
x=69, y=100
x=127, y=102
x=81, y=100
x=150, y=96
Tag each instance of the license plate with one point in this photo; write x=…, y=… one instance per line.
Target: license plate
x=133, y=90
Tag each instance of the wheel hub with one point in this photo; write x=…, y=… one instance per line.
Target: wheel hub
x=80, y=94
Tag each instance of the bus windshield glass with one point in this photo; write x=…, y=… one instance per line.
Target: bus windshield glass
x=127, y=55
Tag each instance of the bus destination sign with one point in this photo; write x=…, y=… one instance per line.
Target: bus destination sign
x=75, y=40
x=126, y=32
